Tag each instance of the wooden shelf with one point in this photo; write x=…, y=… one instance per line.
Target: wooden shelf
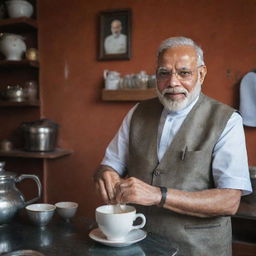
x=17, y=24
x=19, y=104
x=128, y=94
x=241, y=248
x=246, y=211
x=26, y=154
x=18, y=63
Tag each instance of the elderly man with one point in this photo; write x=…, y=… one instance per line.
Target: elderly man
x=115, y=43
x=181, y=158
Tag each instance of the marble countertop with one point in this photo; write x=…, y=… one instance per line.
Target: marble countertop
x=71, y=239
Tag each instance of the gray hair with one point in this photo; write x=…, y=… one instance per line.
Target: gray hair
x=181, y=41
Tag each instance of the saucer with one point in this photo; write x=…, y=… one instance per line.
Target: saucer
x=134, y=236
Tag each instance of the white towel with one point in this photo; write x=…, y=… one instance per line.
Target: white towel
x=248, y=99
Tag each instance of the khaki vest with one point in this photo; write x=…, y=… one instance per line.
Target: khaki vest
x=186, y=166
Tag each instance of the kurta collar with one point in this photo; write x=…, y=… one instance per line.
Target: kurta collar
x=181, y=112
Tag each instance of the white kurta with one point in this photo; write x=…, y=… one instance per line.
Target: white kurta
x=115, y=45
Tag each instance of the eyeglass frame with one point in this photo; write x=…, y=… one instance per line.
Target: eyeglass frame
x=180, y=78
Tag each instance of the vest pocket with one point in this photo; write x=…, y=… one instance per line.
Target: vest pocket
x=194, y=156
x=197, y=162
x=213, y=237
x=207, y=226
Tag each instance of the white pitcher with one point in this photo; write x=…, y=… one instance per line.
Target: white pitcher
x=12, y=46
x=112, y=79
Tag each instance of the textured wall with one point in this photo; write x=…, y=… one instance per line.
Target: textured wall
x=71, y=77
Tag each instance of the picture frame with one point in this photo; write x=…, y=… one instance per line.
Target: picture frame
x=115, y=35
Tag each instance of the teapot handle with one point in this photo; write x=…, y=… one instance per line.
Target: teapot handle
x=39, y=186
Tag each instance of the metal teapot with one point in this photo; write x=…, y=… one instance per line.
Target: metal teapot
x=11, y=199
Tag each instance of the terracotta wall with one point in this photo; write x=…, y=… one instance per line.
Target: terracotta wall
x=71, y=77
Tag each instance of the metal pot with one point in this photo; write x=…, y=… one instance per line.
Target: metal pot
x=11, y=199
x=14, y=93
x=40, y=135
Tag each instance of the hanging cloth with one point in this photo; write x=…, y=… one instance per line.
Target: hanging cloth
x=248, y=99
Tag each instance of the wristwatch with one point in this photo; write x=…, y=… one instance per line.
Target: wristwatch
x=164, y=195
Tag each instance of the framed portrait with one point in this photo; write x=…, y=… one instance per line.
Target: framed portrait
x=115, y=35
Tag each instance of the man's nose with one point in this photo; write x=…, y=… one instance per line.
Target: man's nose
x=173, y=80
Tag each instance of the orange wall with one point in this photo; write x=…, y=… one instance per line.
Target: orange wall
x=71, y=77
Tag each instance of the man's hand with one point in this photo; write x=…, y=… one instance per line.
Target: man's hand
x=133, y=190
x=106, y=179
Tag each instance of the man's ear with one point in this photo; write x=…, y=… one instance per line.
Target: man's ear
x=202, y=73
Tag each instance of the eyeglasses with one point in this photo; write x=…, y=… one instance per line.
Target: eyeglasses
x=181, y=74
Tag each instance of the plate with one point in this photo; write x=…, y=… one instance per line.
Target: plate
x=24, y=253
x=134, y=236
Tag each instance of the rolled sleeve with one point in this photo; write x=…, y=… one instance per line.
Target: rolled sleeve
x=116, y=154
x=230, y=163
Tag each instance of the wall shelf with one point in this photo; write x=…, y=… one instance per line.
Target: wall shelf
x=246, y=211
x=128, y=94
x=46, y=155
x=13, y=24
x=18, y=63
x=19, y=104
x=244, y=235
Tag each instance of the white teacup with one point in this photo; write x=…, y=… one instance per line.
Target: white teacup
x=116, y=222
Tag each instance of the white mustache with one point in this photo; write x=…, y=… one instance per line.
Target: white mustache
x=175, y=90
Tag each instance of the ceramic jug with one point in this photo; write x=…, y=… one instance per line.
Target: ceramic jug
x=11, y=199
x=12, y=46
x=19, y=8
x=112, y=79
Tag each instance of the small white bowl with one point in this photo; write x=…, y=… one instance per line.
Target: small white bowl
x=66, y=210
x=40, y=214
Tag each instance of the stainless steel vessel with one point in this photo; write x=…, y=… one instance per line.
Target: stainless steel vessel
x=40, y=135
x=11, y=199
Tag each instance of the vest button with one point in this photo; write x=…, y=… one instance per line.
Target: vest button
x=156, y=173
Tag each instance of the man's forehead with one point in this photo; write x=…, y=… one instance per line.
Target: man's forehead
x=116, y=23
x=179, y=54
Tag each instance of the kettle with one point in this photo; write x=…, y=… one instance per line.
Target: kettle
x=11, y=199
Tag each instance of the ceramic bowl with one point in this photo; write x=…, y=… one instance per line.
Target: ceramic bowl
x=40, y=214
x=19, y=8
x=66, y=210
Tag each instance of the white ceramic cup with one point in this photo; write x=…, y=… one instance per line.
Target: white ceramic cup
x=116, y=222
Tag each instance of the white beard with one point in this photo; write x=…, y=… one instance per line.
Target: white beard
x=176, y=105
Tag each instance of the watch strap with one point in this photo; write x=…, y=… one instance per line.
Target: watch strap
x=164, y=196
